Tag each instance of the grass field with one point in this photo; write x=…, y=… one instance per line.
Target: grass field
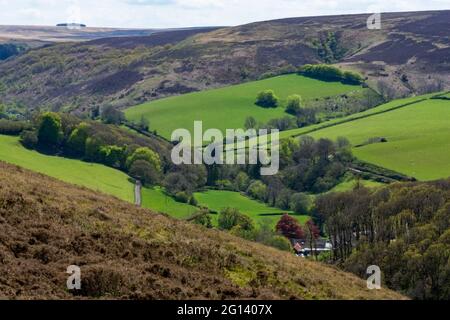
x=418, y=139
x=217, y=200
x=156, y=199
x=387, y=107
x=93, y=176
x=229, y=107
x=349, y=184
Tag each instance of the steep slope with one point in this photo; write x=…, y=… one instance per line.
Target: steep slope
x=127, y=252
x=410, y=54
x=90, y=175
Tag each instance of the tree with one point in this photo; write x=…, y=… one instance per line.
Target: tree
x=144, y=124
x=113, y=156
x=231, y=217
x=282, y=124
x=342, y=143
x=185, y=178
x=258, y=190
x=267, y=99
x=28, y=139
x=111, y=115
x=144, y=172
x=182, y=197
x=299, y=203
x=145, y=154
x=294, y=104
x=289, y=227
x=283, y=199
x=49, y=129
x=312, y=233
x=241, y=181
x=76, y=144
x=306, y=116
x=265, y=234
x=92, y=152
x=250, y=123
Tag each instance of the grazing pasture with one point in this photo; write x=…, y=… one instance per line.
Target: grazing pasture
x=417, y=139
x=157, y=200
x=90, y=175
x=227, y=108
x=216, y=200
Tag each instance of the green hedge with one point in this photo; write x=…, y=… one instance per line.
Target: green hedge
x=330, y=73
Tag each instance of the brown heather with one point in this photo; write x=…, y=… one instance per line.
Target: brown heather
x=130, y=253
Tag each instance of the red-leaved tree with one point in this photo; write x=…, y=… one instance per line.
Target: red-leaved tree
x=289, y=227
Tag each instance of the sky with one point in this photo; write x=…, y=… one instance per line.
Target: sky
x=190, y=13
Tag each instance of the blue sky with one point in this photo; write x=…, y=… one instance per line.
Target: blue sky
x=183, y=13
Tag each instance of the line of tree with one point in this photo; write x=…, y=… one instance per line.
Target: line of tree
x=327, y=72
x=66, y=135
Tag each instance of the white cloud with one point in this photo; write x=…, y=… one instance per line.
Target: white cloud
x=181, y=13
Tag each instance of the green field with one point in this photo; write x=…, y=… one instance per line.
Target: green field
x=349, y=185
x=387, y=107
x=157, y=200
x=227, y=108
x=93, y=176
x=418, y=138
x=217, y=200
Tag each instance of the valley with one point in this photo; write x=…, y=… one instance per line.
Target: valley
x=88, y=174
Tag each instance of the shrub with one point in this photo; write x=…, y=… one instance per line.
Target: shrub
x=111, y=115
x=193, y=201
x=224, y=185
x=282, y=124
x=13, y=128
x=99, y=282
x=294, y=104
x=241, y=181
x=267, y=99
x=306, y=116
x=352, y=78
x=144, y=172
x=182, y=197
x=144, y=124
x=230, y=218
x=258, y=190
x=29, y=139
x=203, y=219
x=299, y=203
x=280, y=243
x=145, y=154
x=250, y=123
x=239, y=231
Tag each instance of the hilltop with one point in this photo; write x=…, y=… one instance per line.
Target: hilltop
x=408, y=55
x=128, y=252
x=36, y=36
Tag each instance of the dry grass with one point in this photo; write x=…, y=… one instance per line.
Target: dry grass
x=130, y=253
